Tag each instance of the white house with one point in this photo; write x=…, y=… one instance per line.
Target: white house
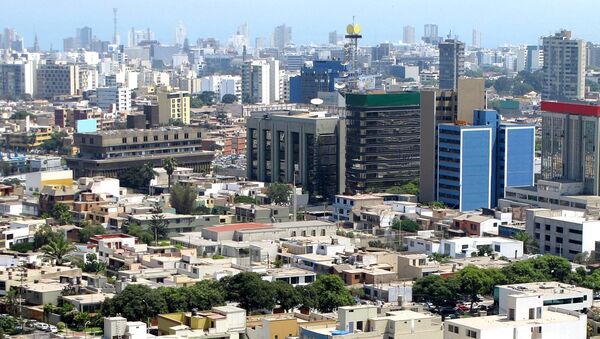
x=20, y=231
x=465, y=246
x=553, y=293
x=526, y=318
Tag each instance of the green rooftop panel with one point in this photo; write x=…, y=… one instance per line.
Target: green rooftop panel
x=383, y=100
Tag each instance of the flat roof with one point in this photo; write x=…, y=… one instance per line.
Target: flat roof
x=237, y=227
x=500, y=321
x=546, y=288
x=580, y=108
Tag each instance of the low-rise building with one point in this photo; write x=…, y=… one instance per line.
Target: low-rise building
x=526, y=317
x=552, y=293
x=221, y=322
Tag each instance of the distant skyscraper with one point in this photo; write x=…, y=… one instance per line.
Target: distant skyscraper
x=476, y=39
x=564, y=67
x=260, y=81
x=333, y=38
x=83, y=38
x=452, y=63
x=36, y=44
x=535, y=58
x=430, y=34
x=282, y=36
x=408, y=36
x=180, y=34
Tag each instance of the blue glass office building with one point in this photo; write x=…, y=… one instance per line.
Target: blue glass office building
x=318, y=77
x=476, y=162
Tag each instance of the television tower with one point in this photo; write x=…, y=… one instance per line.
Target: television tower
x=115, y=35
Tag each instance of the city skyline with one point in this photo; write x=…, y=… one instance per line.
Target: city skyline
x=310, y=20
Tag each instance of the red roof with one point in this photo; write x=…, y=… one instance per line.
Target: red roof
x=571, y=108
x=97, y=237
x=237, y=227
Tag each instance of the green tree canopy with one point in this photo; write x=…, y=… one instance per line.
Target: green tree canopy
x=88, y=230
x=183, y=199
x=286, y=296
x=158, y=224
x=58, y=250
x=229, y=99
x=474, y=281
x=143, y=235
x=279, y=193
x=170, y=165
x=137, y=177
x=250, y=291
x=328, y=293
x=244, y=199
x=136, y=303
x=406, y=225
x=61, y=213
x=411, y=187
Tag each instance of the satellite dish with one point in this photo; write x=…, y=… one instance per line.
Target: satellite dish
x=350, y=29
x=339, y=85
x=316, y=101
x=356, y=29
x=344, y=63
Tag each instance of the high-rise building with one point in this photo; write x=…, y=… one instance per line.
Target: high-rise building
x=54, y=79
x=10, y=35
x=570, y=143
x=564, y=67
x=535, y=58
x=282, y=36
x=593, y=55
x=333, y=38
x=180, y=34
x=114, y=99
x=317, y=76
x=439, y=107
x=174, y=106
x=17, y=79
x=310, y=144
x=476, y=162
x=476, y=39
x=260, y=81
x=408, y=36
x=83, y=38
x=382, y=140
x=430, y=34
x=452, y=63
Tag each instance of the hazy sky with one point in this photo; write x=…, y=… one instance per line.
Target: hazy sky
x=507, y=21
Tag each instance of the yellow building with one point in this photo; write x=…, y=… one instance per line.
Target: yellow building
x=174, y=106
x=272, y=326
x=36, y=181
x=220, y=320
x=28, y=140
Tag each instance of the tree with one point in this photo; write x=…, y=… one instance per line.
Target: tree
x=143, y=235
x=45, y=235
x=328, y=293
x=61, y=213
x=170, y=165
x=437, y=204
x=279, y=193
x=406, y=225
x=229, y=99
x=136, y=303
x=58, y=250
x=20, y=115
x=92, y=264
x=484, y=250
x=411, y=187
x=195, y=102
x=206, y=294
x=56, y=143
x=158, y=224
x=286, y=296
x=137, y=177
x=244, y=199
x=22, y=247
x=376, y=243
x=582, y=258
x=503, y=85
x=88, y=230
x=250, y=291
x=436, y=289
x=473, y=281
x=529, y=244
x=208, y=97
x=8, y=325
x=183, y=199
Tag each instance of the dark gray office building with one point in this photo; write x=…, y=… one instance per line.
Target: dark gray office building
x=312, y=142
x=382, y=140
x=452, y=63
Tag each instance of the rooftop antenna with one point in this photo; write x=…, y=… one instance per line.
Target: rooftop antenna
x=353, y=34
x=115, y=25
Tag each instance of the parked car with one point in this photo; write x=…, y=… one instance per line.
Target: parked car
x=52, y=329
x=42, y=326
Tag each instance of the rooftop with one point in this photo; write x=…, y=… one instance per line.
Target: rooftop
x=500, y=321
x=237, y=227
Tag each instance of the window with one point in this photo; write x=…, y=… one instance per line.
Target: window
x=547, y=227
x=532, y=313
x=453, y=329
x=124, y=140
x=559, y=229
x=471, y=334
x=511, y=314
x=145, y=138
x=156, y=138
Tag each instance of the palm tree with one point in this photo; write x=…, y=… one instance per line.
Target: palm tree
x=170, y=164
x=58, y=250
x=148, y=173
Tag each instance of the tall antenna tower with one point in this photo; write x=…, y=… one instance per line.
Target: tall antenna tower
x=351, y=49
x=115, y=34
